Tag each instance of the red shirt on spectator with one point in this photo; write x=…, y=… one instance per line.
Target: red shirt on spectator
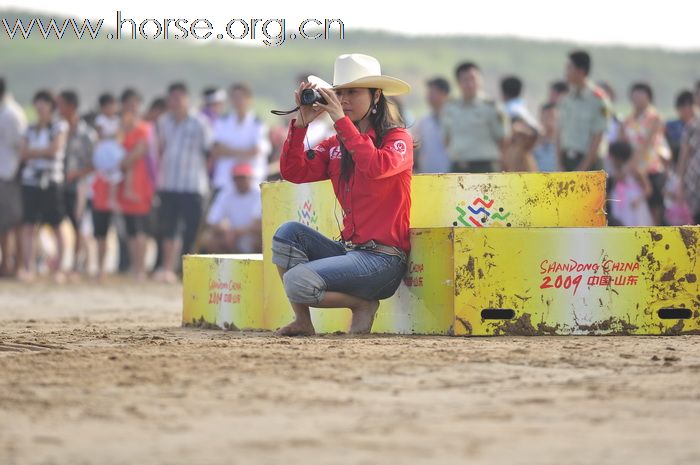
x=141, y=184
x=376, y=200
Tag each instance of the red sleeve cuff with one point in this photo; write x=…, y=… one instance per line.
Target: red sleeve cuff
x=345, y=128
x=296, y=135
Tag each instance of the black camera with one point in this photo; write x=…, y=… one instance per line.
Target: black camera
x=311, y=96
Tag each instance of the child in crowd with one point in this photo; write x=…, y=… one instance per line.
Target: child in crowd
x=109, y=151
x=107, y=121
x=630, y=189
x=545, y=152
x=677, y=212
x=676, y=209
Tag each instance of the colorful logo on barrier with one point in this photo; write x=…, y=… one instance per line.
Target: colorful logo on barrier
x=481, y=212
x=307, y=215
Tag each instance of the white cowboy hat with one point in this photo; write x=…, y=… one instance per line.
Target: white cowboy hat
x=358, y=70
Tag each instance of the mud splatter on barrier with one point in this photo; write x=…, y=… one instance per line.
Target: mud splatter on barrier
x=676, y=329
x=202, y=324
x=464, y=277
x=467, y=326
x=690, y=239
x=644, y=251
x=230, y=326
x=543, y=328
x=470, y=266
x=564, y=188
x=670, y=275
x=611, y=326
x=521, y=326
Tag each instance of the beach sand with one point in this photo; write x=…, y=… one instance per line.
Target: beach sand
x=104, y=374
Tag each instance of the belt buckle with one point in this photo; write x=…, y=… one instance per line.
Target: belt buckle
x=369, y=245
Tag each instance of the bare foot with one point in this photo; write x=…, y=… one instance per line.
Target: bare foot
x=164, y=276
x=59, y=277
x=26, y=276
x=296, y=328
x=363, y=317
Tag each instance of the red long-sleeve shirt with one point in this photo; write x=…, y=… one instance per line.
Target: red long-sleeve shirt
x=376, y=200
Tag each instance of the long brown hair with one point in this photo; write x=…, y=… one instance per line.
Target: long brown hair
x=387, y=117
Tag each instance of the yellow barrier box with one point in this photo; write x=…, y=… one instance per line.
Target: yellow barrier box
x=223, y=291
x=577, y=281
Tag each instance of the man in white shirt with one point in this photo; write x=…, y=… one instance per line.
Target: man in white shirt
x=234, y=220
x=12, y=127
x=239, y=137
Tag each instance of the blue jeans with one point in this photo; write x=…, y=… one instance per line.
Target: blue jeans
x=316, y=264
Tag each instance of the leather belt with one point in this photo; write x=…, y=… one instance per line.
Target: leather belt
x=374, y=246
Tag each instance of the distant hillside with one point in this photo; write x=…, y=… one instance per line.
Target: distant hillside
x=93, y=66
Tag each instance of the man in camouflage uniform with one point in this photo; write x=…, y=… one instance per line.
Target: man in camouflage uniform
x=474, y=127
x=584, y=114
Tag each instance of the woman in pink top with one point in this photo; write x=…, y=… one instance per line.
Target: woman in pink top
x=644, y=130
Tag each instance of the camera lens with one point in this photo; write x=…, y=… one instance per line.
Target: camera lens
x=311, y=96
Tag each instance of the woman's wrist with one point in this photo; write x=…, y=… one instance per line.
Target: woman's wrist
x=338, y=122
x=337, y=116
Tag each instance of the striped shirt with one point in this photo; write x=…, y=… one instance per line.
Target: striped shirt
x=184, y=146
x=691, y=177
x=79, y=147
x=43, y=171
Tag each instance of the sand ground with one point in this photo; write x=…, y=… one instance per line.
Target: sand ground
x=104, y=375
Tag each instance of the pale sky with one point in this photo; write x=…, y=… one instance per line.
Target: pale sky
x=673, y=24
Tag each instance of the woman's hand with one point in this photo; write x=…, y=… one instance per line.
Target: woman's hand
x=307, y=113
x=131, y=157
x=333, y=106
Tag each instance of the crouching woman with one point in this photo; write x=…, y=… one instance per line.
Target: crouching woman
x=369, y=162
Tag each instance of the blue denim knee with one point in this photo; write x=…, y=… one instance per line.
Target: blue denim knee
x=303, y=285
x=288, y=230
x=287, y=250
